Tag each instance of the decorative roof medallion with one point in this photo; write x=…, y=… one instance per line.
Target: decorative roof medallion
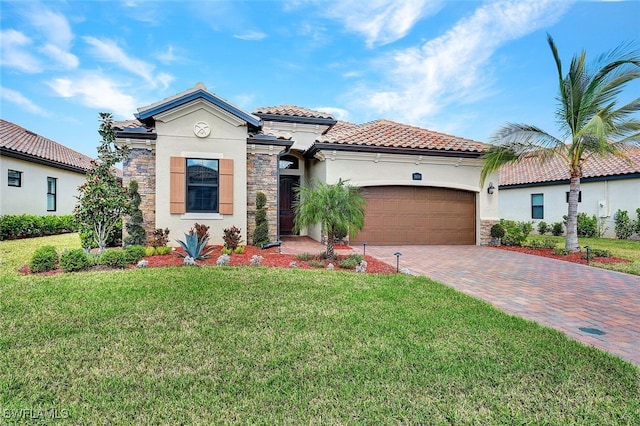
x=201, y=129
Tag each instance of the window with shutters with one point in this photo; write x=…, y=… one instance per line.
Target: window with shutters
x=199, y=185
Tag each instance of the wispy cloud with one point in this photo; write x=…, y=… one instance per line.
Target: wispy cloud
x=17, y=98
x=251, y=35
x=381, y=21
x=109, y=51
x=55, y=29
x=338, y=113
x=94, y=90
x=455, y=67
x=15, y=52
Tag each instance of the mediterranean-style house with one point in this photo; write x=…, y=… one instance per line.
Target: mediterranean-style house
x=38, y=176
x=535, y=191
x=198, y=158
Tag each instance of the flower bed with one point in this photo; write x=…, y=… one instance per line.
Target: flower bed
x=578, y=257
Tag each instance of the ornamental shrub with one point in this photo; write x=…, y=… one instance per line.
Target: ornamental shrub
x=543, y=228
x=135, y=253
x=114, y=258
x=261, y=232
x=516, y=233
x=232, y=237
x=587, y=225
x=351, y=261
x=74, y=260
x=137, y=233
x=44, y=259
x=624, y=226
x=557, y=229
x=497, y=231
x=27, y=226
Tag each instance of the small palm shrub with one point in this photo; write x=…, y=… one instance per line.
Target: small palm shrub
x=231, y=237
x=135, y=253
x=305, y=256
x=74, y=260
x=114, y=258
x=44, y=259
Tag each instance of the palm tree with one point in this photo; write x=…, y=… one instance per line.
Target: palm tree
x=592, y=122
x=336, y=207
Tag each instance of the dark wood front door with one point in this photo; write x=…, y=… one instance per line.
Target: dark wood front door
x=287, y=199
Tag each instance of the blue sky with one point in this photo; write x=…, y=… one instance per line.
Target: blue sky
x=458, y=67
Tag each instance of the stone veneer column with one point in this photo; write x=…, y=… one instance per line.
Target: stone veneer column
x=262, y=176
x=141, y=166
x=485, y=231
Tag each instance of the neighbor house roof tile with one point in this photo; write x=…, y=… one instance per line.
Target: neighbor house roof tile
x=19, y=140
x=386, y=133
x=529, y=171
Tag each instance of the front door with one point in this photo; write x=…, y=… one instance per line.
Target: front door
x=287, y=198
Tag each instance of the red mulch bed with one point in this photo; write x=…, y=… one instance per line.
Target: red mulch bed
x=270, y=257
x=578, y=257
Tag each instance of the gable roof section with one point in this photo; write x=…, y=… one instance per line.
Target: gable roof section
x=199, y=91
x=294, y=114
x=392, y=137
x=18, y=142
x=534, y=172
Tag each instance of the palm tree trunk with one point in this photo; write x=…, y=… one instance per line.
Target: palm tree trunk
x=571, y=243
x=330, y=251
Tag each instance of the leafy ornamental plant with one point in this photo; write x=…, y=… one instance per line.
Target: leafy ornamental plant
x=592, y=123
x=232, y=238
x=103, y=201
x=195, y=244
x=336, y=207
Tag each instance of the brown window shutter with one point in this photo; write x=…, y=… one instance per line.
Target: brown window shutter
x=177, y=185
x=226, y=186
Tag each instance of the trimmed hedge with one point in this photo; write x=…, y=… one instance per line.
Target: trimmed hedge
x=29, y=226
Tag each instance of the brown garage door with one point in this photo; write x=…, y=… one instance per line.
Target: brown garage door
x=417, y=215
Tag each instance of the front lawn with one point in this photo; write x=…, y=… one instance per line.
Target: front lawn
x=270, y=346
x=626, y=249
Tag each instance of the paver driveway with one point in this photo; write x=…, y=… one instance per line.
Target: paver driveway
x=562, y=295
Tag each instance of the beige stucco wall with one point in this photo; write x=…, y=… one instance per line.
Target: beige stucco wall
x=31, y=197
x=227, y=140
x=371, y=169
x=601, y=198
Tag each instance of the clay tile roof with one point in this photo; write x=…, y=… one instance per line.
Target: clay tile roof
x=128, y=124
x=293, y=111
x=386, y=133
x=14, y=138
x=532, y=170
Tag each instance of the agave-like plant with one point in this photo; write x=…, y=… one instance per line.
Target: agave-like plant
x=194, y=246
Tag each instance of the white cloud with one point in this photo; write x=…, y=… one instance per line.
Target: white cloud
x=381, y=21
x=251, y=35
x=55, y=29
x=21, y=101
x=168, y=56
x=109, y=51
x=15, y=52
x=95, y=91
x=338, y=113
x=66, y=59
x=454, y=67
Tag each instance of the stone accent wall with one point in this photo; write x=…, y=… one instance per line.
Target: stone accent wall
x=485, y=231
x=262, y=176
x=141, y=166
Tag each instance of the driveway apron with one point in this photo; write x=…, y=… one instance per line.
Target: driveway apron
x=592, y=305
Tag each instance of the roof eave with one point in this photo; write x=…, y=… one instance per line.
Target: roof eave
x=39, y=160
x=146, y=116
x=324, y=146
x=297, y=119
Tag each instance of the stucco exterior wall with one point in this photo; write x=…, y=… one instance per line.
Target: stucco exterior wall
x=31, y=197
x=371, y=169
x=227, y=140
x=602, y=198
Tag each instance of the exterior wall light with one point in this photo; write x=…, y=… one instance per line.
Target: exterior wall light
x=491, y=189
x=397, y=255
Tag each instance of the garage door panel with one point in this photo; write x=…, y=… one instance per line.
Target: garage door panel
x=417, y=215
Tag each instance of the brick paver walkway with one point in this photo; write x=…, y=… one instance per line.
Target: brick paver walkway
x=562, y=295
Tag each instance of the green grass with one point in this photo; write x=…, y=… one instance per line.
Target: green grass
x=625, y=249
x=267, y=346
x=16, y=253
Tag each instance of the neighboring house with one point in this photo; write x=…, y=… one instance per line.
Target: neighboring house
x=535, y=191
x=198, y=158
x=38, y=176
